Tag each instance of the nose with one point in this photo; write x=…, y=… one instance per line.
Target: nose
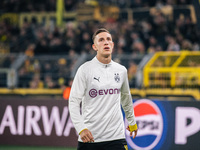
x=106, y=42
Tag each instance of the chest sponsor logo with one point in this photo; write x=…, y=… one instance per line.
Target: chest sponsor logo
x=150, y=125
x=94, y=92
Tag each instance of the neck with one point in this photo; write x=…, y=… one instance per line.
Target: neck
x=104, y=60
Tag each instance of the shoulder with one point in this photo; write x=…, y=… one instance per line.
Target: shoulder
x=119, y=66
x=85, y=67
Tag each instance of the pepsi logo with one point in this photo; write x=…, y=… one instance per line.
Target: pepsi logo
x=150, y=125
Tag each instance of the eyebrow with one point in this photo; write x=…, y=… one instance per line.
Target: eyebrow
x=105, y=38
x=101, y=38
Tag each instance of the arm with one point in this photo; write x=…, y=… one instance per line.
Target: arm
x=76, y=117
x=75, y=99
x=78, y=121
x=126, y=102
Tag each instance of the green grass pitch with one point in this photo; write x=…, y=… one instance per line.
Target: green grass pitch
x=34, y=148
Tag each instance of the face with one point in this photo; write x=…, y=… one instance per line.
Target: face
x=103, y=44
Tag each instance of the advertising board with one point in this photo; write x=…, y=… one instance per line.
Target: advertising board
x=166, y=125
x=36, y=122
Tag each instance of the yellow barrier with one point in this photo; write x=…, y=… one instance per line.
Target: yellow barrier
x=23, y=91
x=173, y=70
x=11, y=17
x=42, y=17
x=87, y=12
x=156, y=93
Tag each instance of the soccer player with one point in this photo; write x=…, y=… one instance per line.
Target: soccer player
x=101, y=85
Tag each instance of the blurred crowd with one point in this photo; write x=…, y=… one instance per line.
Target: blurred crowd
x=157, y=33
x=34, y=5
x=46, y=72
x=137, y=38
x=70, y=5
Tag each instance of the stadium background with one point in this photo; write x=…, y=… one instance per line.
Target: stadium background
x=42, y=43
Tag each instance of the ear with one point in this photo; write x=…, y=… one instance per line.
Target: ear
x=113, y=44
x=94, y=47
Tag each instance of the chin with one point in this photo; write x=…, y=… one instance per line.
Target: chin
x=107, y=55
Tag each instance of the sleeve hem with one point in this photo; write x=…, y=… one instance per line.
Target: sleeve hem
x=82, y=131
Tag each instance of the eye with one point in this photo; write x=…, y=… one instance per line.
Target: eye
x=109, y=39
x=101, y=39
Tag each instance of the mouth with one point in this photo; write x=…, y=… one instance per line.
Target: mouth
x=106, y=48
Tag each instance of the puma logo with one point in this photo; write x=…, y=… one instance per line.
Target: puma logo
x=97, y=78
